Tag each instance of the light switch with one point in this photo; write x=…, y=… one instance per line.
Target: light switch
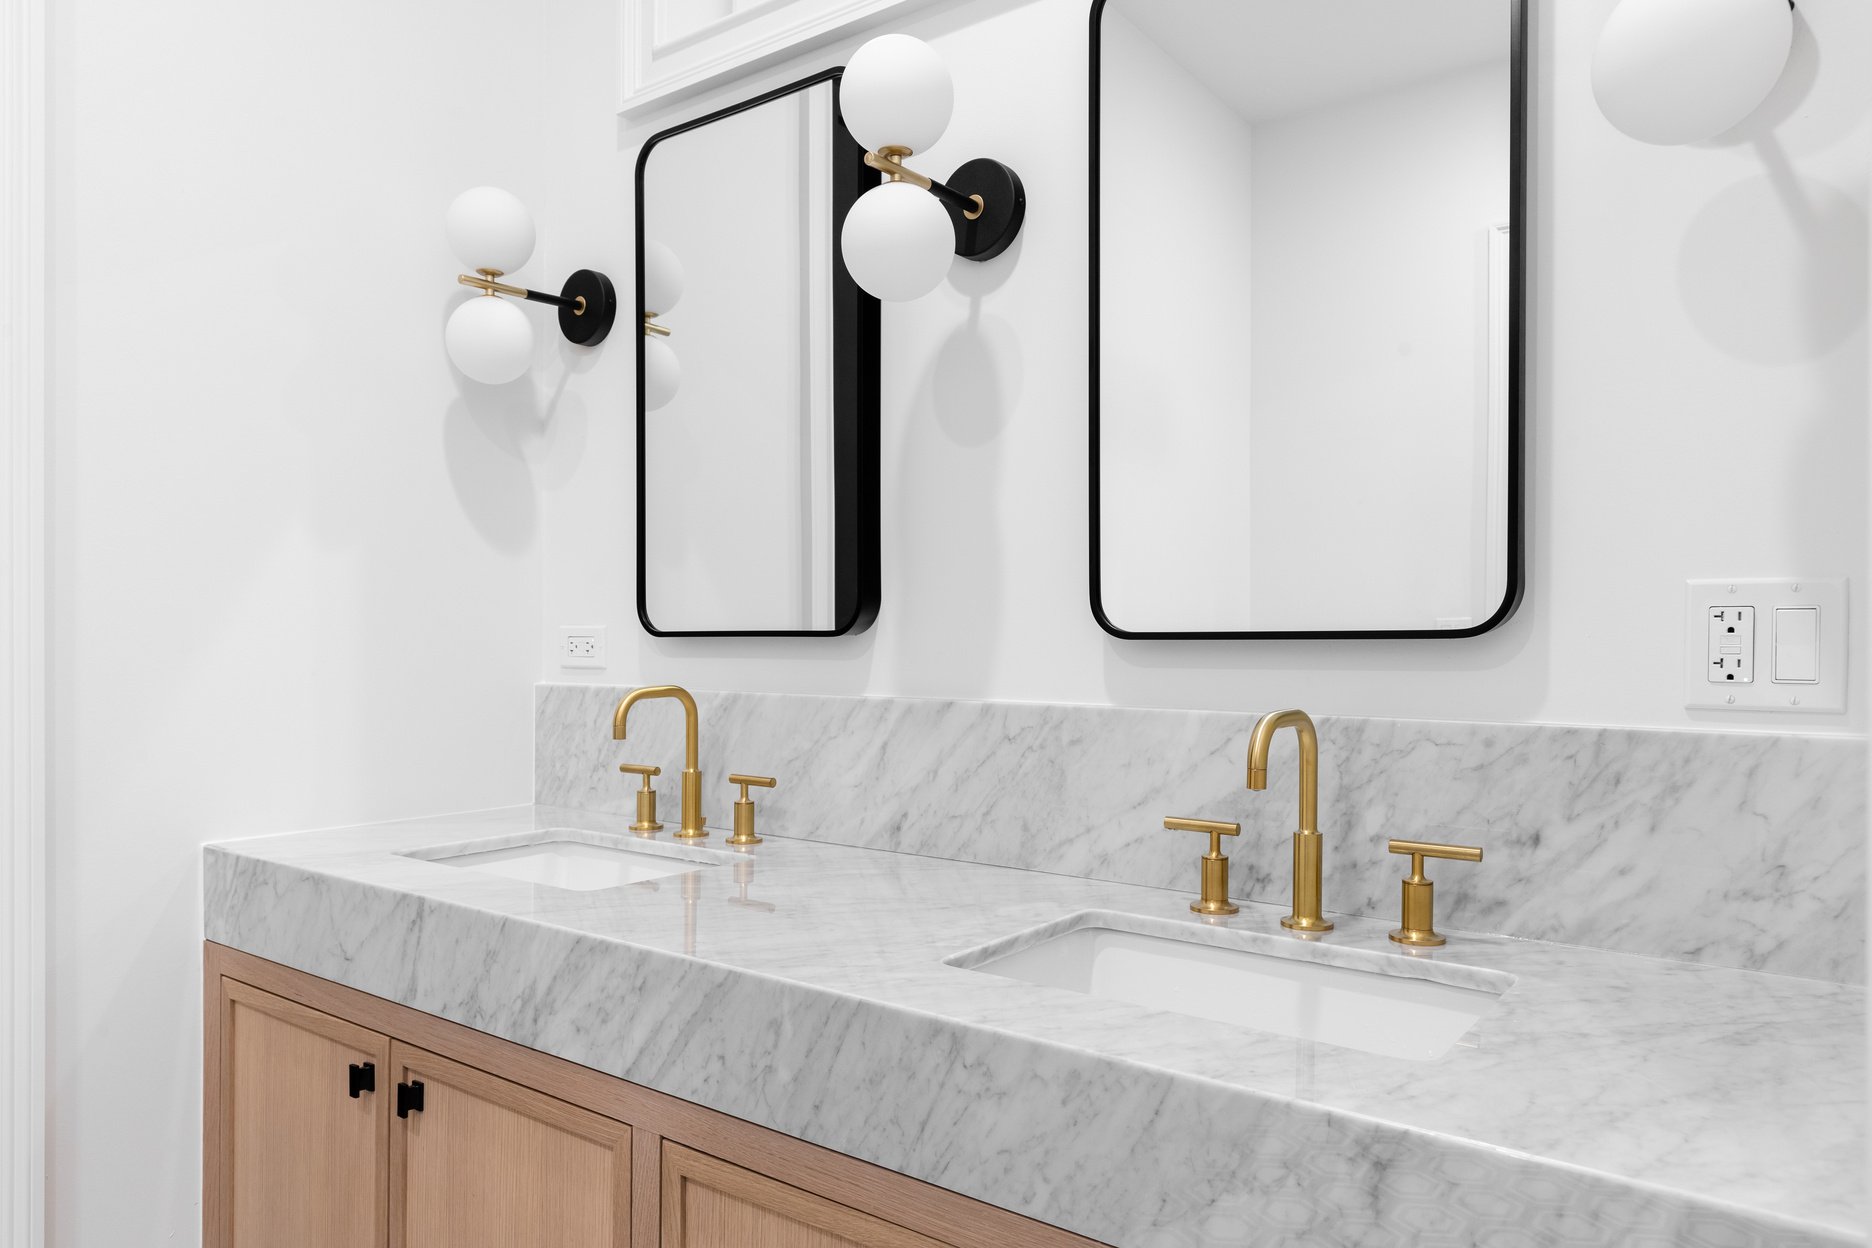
x=1797, y=645
x=1767, y=644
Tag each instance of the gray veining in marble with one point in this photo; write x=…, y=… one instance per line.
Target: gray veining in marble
x=1732, y=849
x=1604, y=1099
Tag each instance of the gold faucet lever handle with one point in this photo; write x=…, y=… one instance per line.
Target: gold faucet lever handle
x=647, y=822
x=762, y=782
x=1417, y=926
x=1419, y=850
x=1216, y=830
x=744, y=809
x=1214, y=898
x=640, y=769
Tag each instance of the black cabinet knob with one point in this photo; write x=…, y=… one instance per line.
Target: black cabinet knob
x=363, y=1079
x=409, y=1098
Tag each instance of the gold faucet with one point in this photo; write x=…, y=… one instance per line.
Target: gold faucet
x=1306, y=838
x=692, y=828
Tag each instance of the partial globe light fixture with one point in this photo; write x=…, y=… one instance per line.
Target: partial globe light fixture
x=896, y=97
x=1684, y=71
x=896, y=91
x=898, y=242
x=662, y=374
x=663, y=281
x=490, y=230
x=489, y=339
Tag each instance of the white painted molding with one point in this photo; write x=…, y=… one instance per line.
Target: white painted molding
x=22, y=617
x=661, y=60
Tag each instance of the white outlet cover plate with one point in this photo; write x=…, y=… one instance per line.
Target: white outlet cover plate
x=1764, y=693
x=582, y=645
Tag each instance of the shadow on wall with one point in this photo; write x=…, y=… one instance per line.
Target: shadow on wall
x=1773, y=269
x=1787, y=113
x=496, y=438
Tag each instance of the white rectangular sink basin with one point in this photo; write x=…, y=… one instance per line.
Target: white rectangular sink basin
x=572, y=864
x=1394, y=1015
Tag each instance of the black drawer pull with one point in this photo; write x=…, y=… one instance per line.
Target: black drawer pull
x=409, y=1098
x=363, y=1079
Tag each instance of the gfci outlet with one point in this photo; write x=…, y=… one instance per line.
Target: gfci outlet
x=1766, y=645
x=581, y=645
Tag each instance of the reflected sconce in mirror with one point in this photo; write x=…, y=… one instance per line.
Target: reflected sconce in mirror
x=490, y=339
x=663, y=287
x=896, y=97
x=1684, y=71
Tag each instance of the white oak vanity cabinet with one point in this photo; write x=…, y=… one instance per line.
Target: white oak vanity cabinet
x=335, y=1119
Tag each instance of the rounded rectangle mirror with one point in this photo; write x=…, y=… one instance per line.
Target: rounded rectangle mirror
x=1307, y=286
x=757, y=395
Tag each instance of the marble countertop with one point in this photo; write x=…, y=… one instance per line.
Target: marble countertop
x=1605, y=1098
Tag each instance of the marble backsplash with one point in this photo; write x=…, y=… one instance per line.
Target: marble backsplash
x=1734, y=849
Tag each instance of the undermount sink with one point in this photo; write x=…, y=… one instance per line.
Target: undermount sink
x=1385, y=1004
x=558, y=860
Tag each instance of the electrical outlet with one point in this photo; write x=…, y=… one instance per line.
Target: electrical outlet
x=1731, y=658
x=1766, y=645
x=581, y=645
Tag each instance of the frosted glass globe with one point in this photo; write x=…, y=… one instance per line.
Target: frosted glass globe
x=662, y=278
x=490, y=339
x=898, y=242
x=1682, y=71
x=662, y=374
x=489, y=228
x=896, y=91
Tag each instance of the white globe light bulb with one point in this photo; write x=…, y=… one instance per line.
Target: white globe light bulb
x=662, y=278
x=488, y=228
x=662, y=374
x=896, y=92
x=1682, y=71
x=898, y=242
x=490, y=339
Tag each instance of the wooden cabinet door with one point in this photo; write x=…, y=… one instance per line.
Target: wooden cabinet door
x=485, y=1163
x=708, y=1203
x=300, y=1161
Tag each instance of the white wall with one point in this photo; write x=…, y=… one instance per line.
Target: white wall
x=1697, y=404
x=295, y=562
x=1177, y=321
x=1370, y=391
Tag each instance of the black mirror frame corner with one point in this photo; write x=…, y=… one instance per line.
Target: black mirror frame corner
x=1520, y=120
x=858, y=577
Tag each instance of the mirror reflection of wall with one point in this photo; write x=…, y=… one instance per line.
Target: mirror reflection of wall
x=741, y=464
x=1304, y=273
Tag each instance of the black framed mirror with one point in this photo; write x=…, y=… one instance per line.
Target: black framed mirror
x=1308, y=258
x=757, y=377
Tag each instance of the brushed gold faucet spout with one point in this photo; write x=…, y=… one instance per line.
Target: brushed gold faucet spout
x=1306, y=916
x=692, y=828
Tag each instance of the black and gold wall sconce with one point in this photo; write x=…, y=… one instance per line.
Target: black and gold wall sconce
x=896, y=97
x=490, y=339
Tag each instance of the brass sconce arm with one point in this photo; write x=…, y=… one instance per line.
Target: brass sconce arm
x=889, y=162
x=486, y=284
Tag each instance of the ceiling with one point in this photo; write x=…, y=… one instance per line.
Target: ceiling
x=1269, y=58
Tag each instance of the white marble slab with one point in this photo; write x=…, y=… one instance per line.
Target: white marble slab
x=1731, y=849
x=1605, y=1099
